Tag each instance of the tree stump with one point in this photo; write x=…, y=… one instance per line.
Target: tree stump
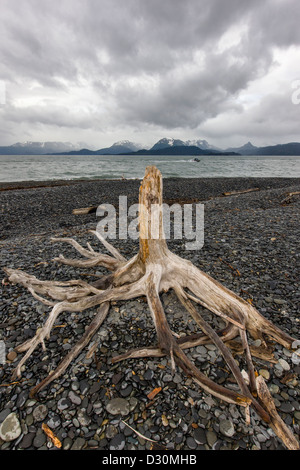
x=155, y=269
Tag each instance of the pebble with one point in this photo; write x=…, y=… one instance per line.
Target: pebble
x=227, y=428
x=284, y=364
x=54, y=422
x=164, y=420
x=78, y=444
x=63, y=404
x=118, y=406
x=83, y=418
x=27, y=440
x=40, y=412
x=149, y=374
x=111, y=431
x=39, y=440
x=191, y=443
x=264, y=373
x=286, y=407
x=10, y=428
x=211, y=438
x=11, y=356
x=200, y=436
x=75, y=399
x=117, y=442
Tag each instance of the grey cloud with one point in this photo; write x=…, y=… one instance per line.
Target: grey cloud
x=140, y=57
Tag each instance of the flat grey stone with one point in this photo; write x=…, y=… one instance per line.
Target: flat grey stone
x=199, y=436
x=118, y=442
x=227, y=428
x=40, y=412
x=118, y=406
x=10, y=429
x=75, y=399
x=78, y=443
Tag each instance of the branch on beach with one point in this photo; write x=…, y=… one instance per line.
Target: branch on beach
x=288, y=199
x=85, y=210
x=242, y=191
x=155, y=269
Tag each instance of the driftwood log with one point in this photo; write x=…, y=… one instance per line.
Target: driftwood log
x=155, y=269
x=288, y=199
x=243, y=191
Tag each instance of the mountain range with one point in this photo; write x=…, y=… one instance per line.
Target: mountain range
x=165, y=146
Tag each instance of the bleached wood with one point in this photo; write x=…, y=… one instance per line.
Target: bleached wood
x=242, y=191
x=277, y=424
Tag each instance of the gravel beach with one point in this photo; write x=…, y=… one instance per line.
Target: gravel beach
x=251, y=245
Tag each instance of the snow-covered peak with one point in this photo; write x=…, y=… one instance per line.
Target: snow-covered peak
x=128, y=144
x=167, y=142
x=201, y=143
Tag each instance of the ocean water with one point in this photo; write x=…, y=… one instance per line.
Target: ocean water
x=65, y=167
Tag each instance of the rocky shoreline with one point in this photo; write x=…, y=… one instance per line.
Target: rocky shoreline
x=251, y=245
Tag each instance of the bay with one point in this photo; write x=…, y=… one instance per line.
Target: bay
x=72, y=167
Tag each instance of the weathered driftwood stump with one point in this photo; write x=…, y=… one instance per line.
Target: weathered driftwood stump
x=152, y=270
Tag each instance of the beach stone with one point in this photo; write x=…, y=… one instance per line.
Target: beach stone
x=126, y=391
x=78, y=443
x=63, y=404
x=40, y=412
x=67, y=444
x=211, y=438
x=75, y=399
x=149, y=374
x=84, y=387
x=227, y=428
x=164, y=420
x=116, y=378
x=264, y=373
x=296, y=357
x=191, y=443
x=274, y=389
x=118, y=442
x=2, y=352
x=4, y=413
x=199, y=436
x=297, y=415
x=27, y=440
x=22, y=397
x=54, y=422
x=111, y=431
x=95, y=388
x=11, y=356
x=83, y=418
x=284, y=364
x=10, y=429
x=261, y=438
x=118, y=406
x=39, y=440
x=286, y=407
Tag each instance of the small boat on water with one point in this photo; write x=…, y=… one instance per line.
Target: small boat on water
x=196, y=160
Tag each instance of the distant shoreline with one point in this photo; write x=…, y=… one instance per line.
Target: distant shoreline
x=34, y=184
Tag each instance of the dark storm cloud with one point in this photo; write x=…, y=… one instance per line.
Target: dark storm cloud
x=147, y=62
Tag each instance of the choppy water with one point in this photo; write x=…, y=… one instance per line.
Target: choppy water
x=45, y=167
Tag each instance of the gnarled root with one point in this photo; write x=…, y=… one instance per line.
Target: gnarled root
x=154, y=270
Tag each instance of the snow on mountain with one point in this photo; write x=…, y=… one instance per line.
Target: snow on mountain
x=37, y=148
x=167, y=142
x=201, y=143
x=128, y=144
x=170, y=142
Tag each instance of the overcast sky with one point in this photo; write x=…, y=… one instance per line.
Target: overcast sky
x=100, y=71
